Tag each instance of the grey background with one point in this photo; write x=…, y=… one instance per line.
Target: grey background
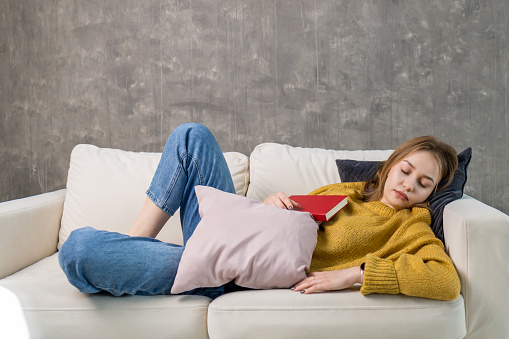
x=334, y=74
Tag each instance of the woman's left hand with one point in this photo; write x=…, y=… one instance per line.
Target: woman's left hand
x=329, y=280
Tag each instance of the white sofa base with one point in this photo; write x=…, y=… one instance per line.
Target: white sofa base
x=37, y=301
x=51, y=308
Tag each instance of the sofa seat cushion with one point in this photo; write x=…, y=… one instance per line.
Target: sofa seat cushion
x=346, y=314
x=50, y=307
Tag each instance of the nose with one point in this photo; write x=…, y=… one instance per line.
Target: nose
x=408, y=186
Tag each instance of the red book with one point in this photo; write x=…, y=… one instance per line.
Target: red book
x=321, y=207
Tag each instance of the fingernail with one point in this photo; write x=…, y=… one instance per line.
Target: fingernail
x=290, y=208
x=303, y=291
x=292, y=288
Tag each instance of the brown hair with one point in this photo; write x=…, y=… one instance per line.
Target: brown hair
x=444, y=154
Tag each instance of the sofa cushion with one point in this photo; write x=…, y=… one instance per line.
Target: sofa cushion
x=352, y=170
x=42, y=300
x=297, y=170
x=355, y=171
x=439, y=199
x=241, y=239
x=347, y=314
x=106, y=189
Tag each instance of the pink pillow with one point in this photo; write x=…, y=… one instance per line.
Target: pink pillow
x=238, y=238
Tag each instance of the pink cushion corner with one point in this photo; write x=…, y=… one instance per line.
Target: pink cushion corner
x=238, y=238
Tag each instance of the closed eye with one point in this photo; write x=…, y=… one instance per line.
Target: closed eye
x=425, y=183
x=413, y=167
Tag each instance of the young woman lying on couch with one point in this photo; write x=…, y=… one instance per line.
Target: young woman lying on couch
x=382, y=239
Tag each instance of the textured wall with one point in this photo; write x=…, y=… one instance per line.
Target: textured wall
x=353, y=74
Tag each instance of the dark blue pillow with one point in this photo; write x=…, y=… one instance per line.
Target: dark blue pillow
x=353, y=170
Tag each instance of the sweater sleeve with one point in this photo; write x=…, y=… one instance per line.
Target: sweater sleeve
x=427, y=272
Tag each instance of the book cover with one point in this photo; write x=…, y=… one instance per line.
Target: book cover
x=321, y=207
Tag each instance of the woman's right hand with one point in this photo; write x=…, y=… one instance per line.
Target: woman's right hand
x=281, y=200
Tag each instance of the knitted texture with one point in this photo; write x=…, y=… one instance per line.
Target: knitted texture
x=400, y=251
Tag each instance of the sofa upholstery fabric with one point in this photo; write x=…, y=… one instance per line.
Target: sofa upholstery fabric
x=341, y=314
x=295, y=170
x=50, y=307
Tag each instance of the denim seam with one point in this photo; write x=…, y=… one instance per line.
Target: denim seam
x=88, y=288
x=159, y=203
x=162, y=203
x=121, y=292
x=173, y=182
x=197, y=164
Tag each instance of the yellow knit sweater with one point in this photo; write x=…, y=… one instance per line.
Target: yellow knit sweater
x=400, y=251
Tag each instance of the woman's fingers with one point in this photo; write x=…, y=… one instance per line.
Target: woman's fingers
x=304, y=285
x=329, y=280
x=280, y=200
x=284, y=201
x=294, y=204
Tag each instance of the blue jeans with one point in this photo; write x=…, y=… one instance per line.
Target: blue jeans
x=97, y=261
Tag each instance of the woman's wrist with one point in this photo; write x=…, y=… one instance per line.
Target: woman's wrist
x=361, y=269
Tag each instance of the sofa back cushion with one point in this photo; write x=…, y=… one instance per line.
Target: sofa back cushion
x=106, y=189
x=297, y=170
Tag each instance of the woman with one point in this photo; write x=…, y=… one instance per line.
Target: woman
x=380, y=228
x=385, y=229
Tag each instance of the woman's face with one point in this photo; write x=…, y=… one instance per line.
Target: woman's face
x=411, y=181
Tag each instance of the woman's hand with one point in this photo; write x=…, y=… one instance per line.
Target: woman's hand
x=281, y=200
x=329, y=280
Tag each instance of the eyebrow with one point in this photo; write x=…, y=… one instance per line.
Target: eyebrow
x=426, y=176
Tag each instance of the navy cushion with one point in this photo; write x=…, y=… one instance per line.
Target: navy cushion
x=353, y=171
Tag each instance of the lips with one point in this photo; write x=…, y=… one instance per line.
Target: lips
x=401, y=195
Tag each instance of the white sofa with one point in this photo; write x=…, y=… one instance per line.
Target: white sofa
x=105, y=189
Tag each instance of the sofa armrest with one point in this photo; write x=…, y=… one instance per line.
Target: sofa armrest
x=29, y=230
x=477, y=239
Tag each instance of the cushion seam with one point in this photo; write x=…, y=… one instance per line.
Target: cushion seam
x=375, y=309
x=332, y=308
x=113, y=310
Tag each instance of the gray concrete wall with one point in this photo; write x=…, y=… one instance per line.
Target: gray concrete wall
x=337, y=74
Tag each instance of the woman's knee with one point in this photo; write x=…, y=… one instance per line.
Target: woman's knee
x=74, y=254
x=190, y=133
x=76, y=247
x=192, y=127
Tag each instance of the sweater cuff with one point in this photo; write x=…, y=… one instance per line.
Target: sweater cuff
x=379, y=276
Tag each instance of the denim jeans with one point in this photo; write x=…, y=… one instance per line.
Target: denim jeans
x=97, y=261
